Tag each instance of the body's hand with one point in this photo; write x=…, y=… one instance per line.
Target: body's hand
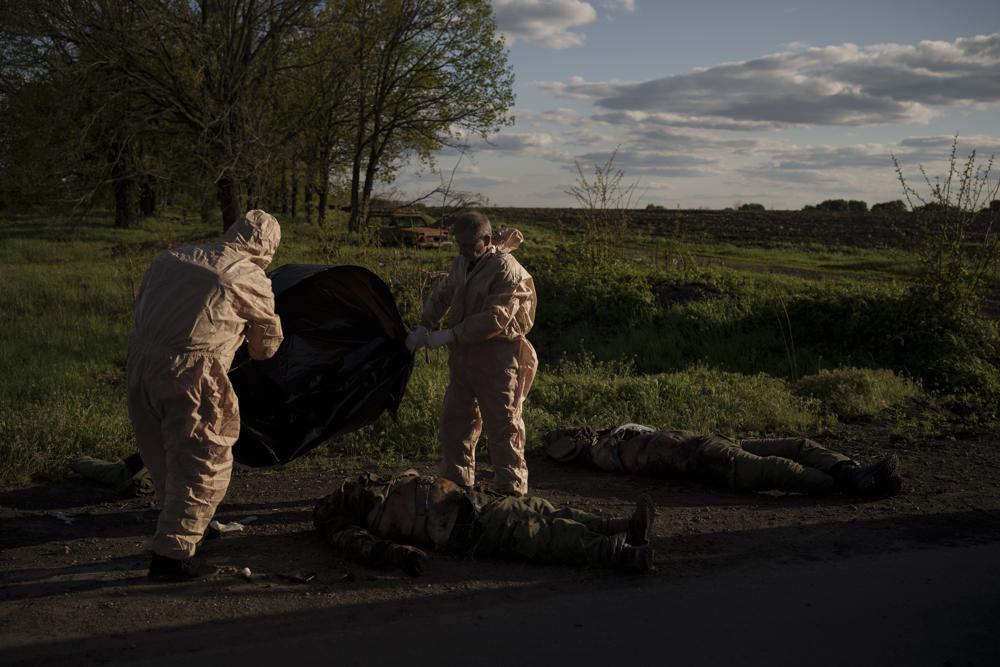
x=440, y=338
x=416, y=339
x=410, y=559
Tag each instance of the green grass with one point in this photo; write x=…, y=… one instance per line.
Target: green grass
x=854, y=394
x=610, y=351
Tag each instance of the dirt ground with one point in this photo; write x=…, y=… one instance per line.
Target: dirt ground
x=72, y=565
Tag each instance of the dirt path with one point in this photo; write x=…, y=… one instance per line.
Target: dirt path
x=79, y=588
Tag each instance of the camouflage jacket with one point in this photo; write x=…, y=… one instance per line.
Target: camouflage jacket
x=363, y=519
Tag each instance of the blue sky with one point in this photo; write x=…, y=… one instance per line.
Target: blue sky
x=720, y=102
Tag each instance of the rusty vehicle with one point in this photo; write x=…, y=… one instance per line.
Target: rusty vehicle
x=412, y=228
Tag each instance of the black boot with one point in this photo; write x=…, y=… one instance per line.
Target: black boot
x=637, y=559
x=640, y=524
x=163, y=568
x=875, y=480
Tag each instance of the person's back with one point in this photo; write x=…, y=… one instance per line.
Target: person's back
x=195, y=306
x=200, y=298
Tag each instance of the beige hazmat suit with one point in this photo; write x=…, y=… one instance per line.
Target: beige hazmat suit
x=195, y=306
x=492, y=364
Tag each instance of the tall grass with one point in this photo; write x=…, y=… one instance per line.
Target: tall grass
x=611, y=350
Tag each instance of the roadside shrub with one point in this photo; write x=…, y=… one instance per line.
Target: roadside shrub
x=857, y=393
x=752, y=206
x=606, y=296
x=699, y=399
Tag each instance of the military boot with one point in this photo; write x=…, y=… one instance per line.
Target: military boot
x=139, y=483
x=640, y=524
x=876, y=480
x=108, y=473
x=164, y=568
x=637, y=559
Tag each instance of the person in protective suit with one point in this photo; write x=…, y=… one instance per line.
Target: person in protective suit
x=377, y=522
x=195, y=307
x=492, y=302
x=793, y=465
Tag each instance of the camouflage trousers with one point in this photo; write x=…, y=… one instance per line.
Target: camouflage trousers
x=532, y=529
x=795, y=465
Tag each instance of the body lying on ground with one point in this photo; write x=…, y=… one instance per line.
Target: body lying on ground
x=793, y=465
x=382, y=522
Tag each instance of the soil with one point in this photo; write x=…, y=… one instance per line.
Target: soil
x=73, y=566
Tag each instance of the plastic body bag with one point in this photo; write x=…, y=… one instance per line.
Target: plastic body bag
x=342, y=363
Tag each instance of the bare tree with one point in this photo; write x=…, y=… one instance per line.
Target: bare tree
x=605, y=199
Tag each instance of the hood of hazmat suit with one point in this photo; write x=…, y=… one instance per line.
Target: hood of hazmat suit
x=203, y=299
x=342, y=363
x=256, y=235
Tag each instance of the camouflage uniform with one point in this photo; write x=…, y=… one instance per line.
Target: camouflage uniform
x=367, y=519
x=785, y=464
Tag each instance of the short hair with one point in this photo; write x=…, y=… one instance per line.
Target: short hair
x=472, y=222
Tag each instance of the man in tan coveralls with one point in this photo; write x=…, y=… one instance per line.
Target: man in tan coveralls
x=195, y=307
x=492, y=365
x=376, y=521
x=793, y=465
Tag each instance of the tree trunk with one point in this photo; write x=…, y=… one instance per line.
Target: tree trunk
x=308, y=200
x=124, y=191
x=354, y=222
x=295, y=189
x=284, y=187
x=324, y=199
x=370, y=172
x=147, y=200
x=228, y=193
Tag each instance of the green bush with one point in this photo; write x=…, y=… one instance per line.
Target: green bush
x=606, y=296
x=857, y=393
x=699, y=399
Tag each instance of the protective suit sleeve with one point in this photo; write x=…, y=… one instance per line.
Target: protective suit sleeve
x=439, y=301
x=254, y=302
x=508, y=311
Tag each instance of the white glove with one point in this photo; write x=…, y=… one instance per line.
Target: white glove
x=416, y=339
x=439, y=338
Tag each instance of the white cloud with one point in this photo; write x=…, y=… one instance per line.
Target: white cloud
x=533, y=144
x=833, y=85
x=613, y=5
x=558, y=116
x=548, y=22
x=660, y=163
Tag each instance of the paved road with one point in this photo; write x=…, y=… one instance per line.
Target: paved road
x=936, y=607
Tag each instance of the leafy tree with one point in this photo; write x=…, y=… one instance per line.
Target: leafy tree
x=751, y=206
x=213, y=70
x=424, y=74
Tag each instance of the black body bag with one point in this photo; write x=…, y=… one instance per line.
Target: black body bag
x=342, y=363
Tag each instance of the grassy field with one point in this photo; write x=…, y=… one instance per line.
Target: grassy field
x=759, y=353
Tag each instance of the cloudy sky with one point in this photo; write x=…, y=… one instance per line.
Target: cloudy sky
x=718, y=102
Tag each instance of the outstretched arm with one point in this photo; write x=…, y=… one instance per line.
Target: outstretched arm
x=358, y=545
x=254, y=302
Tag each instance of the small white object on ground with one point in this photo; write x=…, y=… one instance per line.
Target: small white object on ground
x=248, y=519
x=62, y=517
x=246, y=573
